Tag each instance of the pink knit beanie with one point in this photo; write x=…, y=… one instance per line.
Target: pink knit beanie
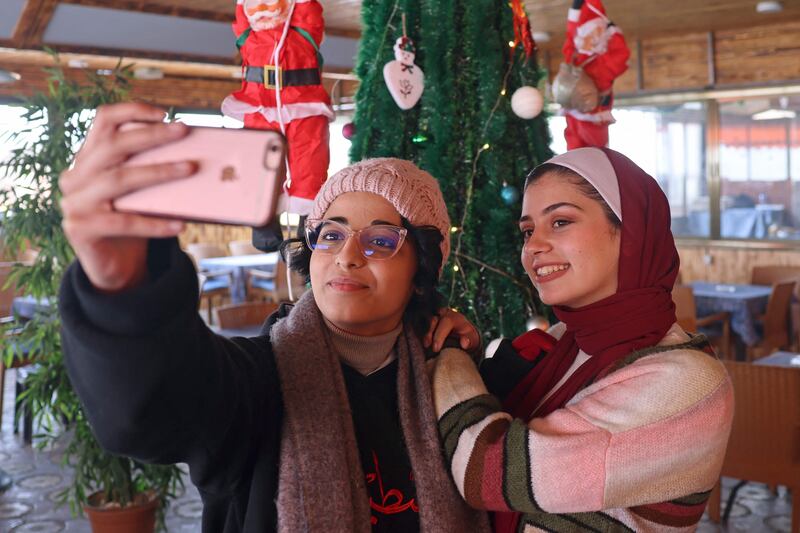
x=413, y=192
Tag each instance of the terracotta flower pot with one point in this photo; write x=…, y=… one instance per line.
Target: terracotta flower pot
x=138, y=517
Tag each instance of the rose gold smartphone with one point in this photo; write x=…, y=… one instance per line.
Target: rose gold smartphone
x=239, y=178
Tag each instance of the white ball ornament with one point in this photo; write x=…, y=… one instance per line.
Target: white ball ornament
x=527, y=102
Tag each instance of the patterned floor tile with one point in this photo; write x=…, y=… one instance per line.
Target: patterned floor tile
x=40, y=526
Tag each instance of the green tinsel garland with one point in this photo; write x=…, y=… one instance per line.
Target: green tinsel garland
x=462, y=47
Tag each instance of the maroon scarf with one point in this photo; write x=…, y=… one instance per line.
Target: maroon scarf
x=636, y=317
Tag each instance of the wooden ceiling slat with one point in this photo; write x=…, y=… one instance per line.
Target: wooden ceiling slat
x=193, y=69
x=142, y=54
x=32, y=23
x=174, y=9
x=342, y=17
x=643, y=19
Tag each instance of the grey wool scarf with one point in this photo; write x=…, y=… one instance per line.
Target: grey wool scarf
x=321, y=486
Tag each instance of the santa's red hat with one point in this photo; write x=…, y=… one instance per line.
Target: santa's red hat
x=585, y=20
x=583, y=11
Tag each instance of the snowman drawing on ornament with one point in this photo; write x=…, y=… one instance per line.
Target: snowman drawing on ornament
x=404, y=79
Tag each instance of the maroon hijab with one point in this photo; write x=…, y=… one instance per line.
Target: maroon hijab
x=636, y=317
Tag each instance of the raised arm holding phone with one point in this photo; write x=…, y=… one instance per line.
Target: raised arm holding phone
x=309, y=426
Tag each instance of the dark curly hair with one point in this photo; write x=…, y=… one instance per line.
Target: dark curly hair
x=425, y=298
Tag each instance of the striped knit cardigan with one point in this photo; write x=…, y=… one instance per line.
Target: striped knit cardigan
x=637, y=450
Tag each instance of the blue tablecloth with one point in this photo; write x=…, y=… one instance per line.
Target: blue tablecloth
x=743, y=302
x=786, y=359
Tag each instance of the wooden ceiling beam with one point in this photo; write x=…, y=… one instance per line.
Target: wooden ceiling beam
x=351, y=34
x=184, y=12
x=156, y=9
x=141, y=54
x=189, y=69
x=32, y=23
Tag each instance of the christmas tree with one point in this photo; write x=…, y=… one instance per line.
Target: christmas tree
x=474, y=54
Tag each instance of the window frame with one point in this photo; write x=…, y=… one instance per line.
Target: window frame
x=712, y=100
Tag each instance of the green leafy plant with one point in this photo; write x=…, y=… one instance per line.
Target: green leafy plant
x=58, y=121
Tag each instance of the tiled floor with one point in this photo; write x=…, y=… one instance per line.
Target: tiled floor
x=28, y=507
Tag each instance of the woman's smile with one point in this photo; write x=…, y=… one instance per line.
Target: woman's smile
x=345, y=284
x=545, y=273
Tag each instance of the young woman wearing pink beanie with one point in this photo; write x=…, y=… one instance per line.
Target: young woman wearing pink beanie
x=323, y=423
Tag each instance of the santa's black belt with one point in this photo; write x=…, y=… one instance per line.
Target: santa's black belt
x=288, y=78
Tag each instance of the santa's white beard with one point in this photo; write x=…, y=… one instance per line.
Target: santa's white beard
x=267, y=20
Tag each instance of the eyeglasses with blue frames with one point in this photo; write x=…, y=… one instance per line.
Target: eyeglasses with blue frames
x=381, y=241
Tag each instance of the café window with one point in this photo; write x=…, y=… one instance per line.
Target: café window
x=760, y=168
x=668, y=142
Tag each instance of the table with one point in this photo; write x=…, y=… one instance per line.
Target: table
x=750, y=222
x=743, y=302
x=26, y=307
x=238, y=264
x=738, y=222
x=786, y=359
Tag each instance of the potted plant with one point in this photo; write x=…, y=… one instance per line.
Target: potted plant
x=104, y=484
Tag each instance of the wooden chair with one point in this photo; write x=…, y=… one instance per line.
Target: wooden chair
x=686, y=315
x=211, y=286
x=764, y=444
x=770, y=274
x=243, y=248
x=212, y=283
x=775, y=322
x=242, y=315
x=272, y=285
x=7, y=295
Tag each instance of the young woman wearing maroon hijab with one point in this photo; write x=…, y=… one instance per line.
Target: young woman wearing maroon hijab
x=615, y=419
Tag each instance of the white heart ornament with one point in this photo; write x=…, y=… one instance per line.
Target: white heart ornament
x=404, y=79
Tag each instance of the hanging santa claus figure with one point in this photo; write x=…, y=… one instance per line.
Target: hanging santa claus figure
x=597, y=46
x=282, y=90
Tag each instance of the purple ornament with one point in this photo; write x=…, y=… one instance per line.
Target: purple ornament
x=348, y=130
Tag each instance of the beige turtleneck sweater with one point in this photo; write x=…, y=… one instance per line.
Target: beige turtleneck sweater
x=364, y=354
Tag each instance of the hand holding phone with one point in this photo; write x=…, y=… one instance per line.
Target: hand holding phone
x=239, y=178
x=112, y=246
